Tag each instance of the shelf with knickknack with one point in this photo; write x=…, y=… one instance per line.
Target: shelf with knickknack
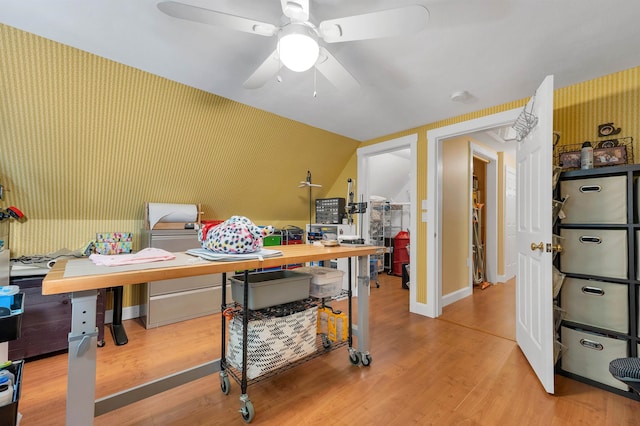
x=597, y=301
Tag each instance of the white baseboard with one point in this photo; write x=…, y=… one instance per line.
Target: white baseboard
x=128, y=312
x=456, y=295
x=421, y=309
x=504, y=278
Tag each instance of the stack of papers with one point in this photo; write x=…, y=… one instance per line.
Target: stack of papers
x=209, y=255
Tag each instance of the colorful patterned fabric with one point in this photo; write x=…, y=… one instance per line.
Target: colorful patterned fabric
x=235, y=235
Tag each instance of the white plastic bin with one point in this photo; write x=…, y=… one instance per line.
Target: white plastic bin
x=325, y=282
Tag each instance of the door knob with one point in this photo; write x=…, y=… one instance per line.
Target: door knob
x=557, y=248
x=535, y=246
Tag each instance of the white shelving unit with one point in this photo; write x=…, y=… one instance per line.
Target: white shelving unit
x=386, y=219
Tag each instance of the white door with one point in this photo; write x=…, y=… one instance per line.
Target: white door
x=534, y=297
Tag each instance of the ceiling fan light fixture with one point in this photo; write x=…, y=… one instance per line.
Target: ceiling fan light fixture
x=298, y=47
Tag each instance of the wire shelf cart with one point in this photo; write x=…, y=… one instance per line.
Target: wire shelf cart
x=321, y=342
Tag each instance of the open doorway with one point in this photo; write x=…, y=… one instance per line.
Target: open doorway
x=437, y=138
x=475, y=292
x=387, y=171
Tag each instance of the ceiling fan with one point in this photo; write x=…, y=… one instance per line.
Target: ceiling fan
x=298, y=47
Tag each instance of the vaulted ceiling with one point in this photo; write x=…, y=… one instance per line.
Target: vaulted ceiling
x=496, y=50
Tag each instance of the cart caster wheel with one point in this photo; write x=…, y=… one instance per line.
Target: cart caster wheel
x=366, y=360
x=354, y=357
x=101, y=343
x=247, y=412
x=225, y=385
x=326, y=343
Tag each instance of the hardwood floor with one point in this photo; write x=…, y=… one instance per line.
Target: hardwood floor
x=423, y=371
x=492, y=310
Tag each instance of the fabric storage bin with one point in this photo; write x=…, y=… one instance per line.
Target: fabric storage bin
x=599, y=252
x=596, y=303
x=589, y=354
x=273, y=342
x=271, y=288
x=325, y=282
x=595, y=200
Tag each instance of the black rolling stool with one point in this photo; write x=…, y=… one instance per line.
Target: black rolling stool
x=627, y=370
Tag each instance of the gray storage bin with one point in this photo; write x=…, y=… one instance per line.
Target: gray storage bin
x=599, y=252
x=271, y=288
x=595, y=200
x=589, y=354
x=596, y=303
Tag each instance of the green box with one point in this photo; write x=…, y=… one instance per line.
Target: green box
x=272, y=240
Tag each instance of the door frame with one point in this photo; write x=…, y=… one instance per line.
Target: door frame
x=363, y=154
x=509, y=268
x=436, y=138
x=490, y=213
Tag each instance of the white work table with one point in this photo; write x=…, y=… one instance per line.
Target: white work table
x=82, y=279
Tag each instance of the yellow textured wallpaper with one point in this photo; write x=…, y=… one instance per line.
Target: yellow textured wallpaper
x=86, y=141
x=614, y=98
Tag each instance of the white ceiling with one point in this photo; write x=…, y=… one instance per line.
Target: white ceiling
x=497, y=50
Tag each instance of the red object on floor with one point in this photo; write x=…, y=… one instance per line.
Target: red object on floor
x=400, y=252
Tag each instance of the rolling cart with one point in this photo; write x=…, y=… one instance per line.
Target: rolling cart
x=322, y=342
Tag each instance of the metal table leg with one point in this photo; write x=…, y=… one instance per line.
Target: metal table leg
x=83, y=338
x=363, y=309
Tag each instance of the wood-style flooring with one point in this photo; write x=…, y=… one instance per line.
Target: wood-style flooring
x=424, y=371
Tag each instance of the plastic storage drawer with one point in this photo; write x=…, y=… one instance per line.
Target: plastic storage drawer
x=596, y=303
x=599, y=252
x=271, y=288
x=589, y=354
x=595, y=200
x=325, y=282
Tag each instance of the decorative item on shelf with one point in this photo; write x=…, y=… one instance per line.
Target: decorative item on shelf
x=608, y=129
x=586, y=156
x=610, y=152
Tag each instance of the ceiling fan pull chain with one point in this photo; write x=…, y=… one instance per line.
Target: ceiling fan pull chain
x=315, y=73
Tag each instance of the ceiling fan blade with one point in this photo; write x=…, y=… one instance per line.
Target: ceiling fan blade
x=333, y=70
x=265, y=71
x=212, y=17
x=385, y=23
x=296, y=10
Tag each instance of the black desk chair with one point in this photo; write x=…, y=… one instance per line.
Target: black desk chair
x=627, y=370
